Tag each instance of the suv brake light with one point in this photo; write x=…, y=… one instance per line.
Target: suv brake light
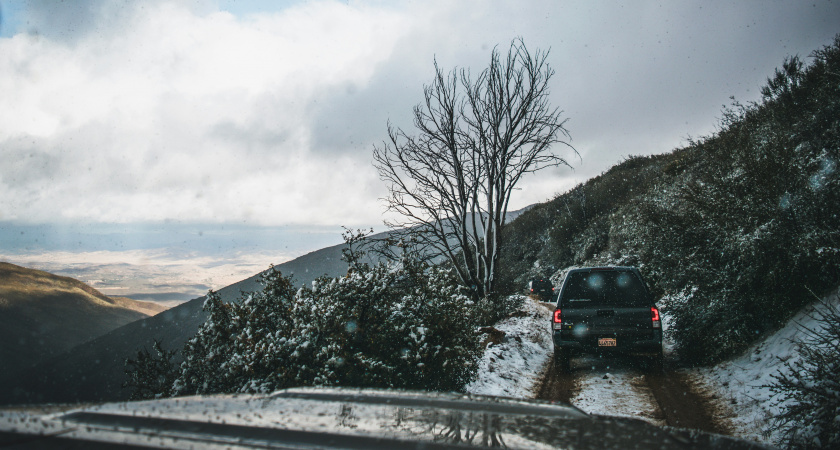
x=654, y=315
x=557, y=318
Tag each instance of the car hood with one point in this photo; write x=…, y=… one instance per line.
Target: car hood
x=342, y=418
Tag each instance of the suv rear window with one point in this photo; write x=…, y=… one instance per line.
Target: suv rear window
x=604, y=288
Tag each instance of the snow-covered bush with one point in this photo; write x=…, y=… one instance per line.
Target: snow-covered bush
x=238, y=341
x=810, y=386
x=150, y=376
x=403, y=325
x=488, y=311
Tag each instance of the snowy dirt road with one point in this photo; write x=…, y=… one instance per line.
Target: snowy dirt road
x=617, y=387
x=517, y=363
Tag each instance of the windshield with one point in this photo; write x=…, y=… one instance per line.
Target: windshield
x=213, y=197
x=614, y=288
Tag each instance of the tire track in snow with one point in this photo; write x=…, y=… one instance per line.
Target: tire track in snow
x=687, y=405
x=618, y=387
x=609, y=386
x=614, y=387
x=556, y=386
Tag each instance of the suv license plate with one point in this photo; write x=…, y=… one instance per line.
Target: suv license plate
x=606, y=342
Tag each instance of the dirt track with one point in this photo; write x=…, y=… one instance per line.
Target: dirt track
x=556, y=386
x=675, y=400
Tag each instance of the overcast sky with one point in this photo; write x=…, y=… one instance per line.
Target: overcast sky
x=262, y=113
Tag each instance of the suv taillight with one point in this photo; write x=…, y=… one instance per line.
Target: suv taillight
x=557, y=319
x=654, y=315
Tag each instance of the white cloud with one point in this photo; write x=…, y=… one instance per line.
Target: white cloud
x=185, y=116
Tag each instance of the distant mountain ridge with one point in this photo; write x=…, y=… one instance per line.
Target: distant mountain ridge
x=94, y=371
x=42, y=315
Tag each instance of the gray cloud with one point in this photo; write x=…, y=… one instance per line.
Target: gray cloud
x=249, y=137
x=27, y=163
x=71, y=20
x=351, y=118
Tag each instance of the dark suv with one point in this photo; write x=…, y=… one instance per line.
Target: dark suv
x=541, y=287
x=606, y=310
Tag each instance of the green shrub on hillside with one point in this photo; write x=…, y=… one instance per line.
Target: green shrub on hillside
x=404, y=325
x=150, y=376
x=810, y=386
x=738, y=239
x=550, y=236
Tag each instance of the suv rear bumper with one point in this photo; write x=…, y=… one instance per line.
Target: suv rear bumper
x=624, y=344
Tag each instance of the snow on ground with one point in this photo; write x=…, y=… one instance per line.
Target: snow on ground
x=741, y=382
x=619, y=392
x=514, y=366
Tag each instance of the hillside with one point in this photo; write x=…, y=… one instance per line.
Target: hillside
x=94, y=371
x=42, y=315
x=569, y=229
x=744, y=220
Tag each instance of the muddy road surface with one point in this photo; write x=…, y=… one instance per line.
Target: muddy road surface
x=618, y=387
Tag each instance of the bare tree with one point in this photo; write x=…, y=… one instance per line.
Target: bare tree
x=475, y=138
